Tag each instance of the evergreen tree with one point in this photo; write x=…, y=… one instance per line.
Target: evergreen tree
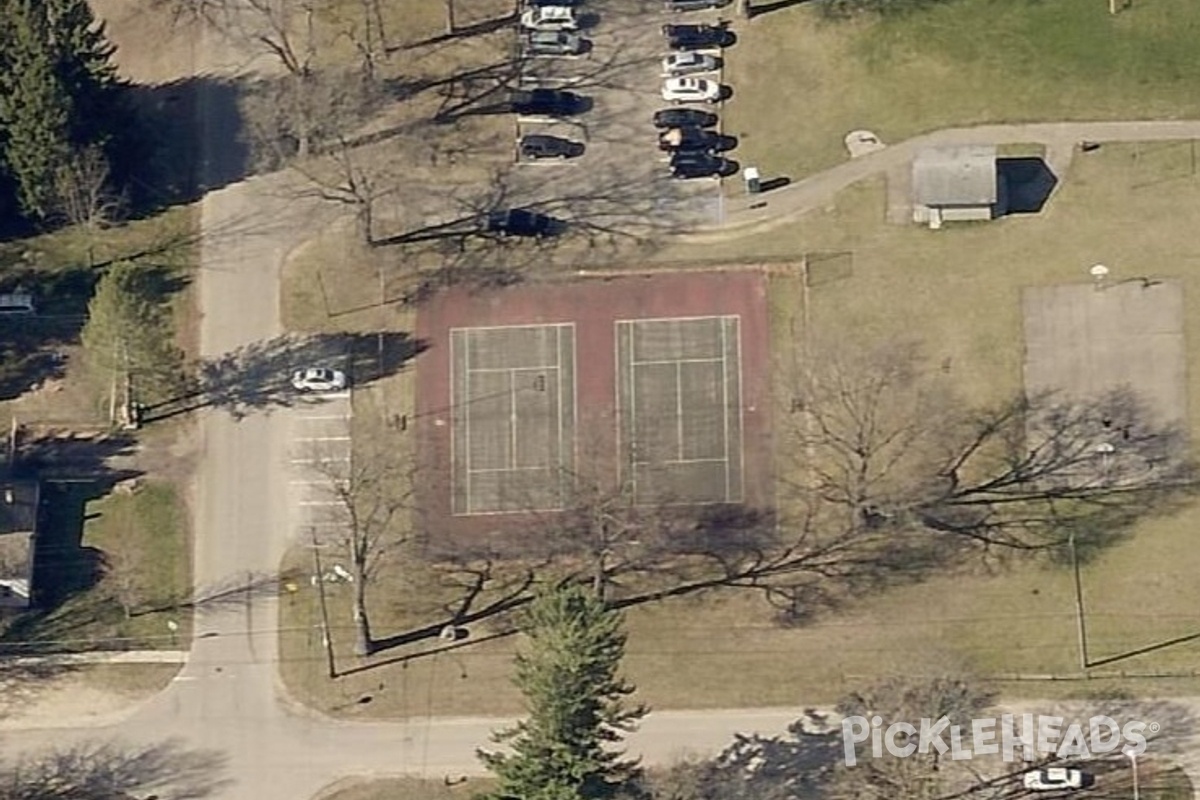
x=575, y=699
x=129, y=337
x=57, y=93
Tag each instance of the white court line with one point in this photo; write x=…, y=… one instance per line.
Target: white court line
x=514, y=327
x=494, y=470
x=467, y=410
x=661, y=362
x=323, y=439
x=632, y=413
x=725, y=400
x=512, y=419
x=319, y=460
x=478, y=370
x=319, y=483
x=741, y=420
x=318, y=417
x=679, y=409
x=320, y=502
x=671, y=462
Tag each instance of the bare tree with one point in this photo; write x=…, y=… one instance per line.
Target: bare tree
x=370, y=491
x=282, y=28
x=84, y=194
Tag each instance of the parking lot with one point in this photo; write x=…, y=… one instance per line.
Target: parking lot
x=320, y=463
x=622, y=177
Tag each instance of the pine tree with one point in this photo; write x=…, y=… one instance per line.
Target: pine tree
x=57, y=93
x=575, y=698
x=128, y=336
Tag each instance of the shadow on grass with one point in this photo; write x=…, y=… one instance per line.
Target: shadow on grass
x=109, y=768
x=1027, y=182
x=74, y=470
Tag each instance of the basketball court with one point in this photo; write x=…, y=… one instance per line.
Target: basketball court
x=1084, y=340
x=679, y=406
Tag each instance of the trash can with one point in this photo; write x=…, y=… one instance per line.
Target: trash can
x=753, y=182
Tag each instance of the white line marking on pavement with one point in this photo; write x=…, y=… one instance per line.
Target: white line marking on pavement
x=320, y=502
x=323, y=439
x=319, y=460
x=315, y=417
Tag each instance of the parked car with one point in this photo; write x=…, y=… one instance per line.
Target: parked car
x=697, y=37
x=692, y=164
x=691, y=90
x=684, y=118
x=693, y=5
x=695, y=139
x=549, y=18
x=522, y=222
x=1054, y=778
x=541, y=145
x=318, y=379
x=548, y=102
x=688, y=63
x=555, y=43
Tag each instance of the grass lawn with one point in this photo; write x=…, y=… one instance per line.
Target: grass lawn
x=954, y=64
x=957, y=291
x=134, y=549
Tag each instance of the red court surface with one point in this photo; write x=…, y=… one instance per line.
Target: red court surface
x=593, y=306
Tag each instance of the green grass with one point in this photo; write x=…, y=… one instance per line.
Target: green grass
x=134, y=546
x=960, y=63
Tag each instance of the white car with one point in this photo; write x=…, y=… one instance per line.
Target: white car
x=687, y=63
x=691, y=90
x=1053, y=778
x=319, y=379
x=549, y=18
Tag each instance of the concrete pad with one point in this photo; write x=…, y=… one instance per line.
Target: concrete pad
x=1082, y=340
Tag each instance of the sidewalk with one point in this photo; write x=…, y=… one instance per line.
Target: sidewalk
x=745, y=215
x=110, y=657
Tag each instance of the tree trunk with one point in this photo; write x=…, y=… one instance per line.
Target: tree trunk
x=363, y=644
x=744, y=9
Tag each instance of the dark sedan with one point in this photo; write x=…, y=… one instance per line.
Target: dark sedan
x=693, y=5
x=684, y=118
x=680, y=139
x=549, y=102
x=692, y=164
x=540, y=145
x=697, y=37
x=522, y=222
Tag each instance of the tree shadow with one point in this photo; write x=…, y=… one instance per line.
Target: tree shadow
x=258, y=376
x=1026, y=184
x=188, y=141
x=758, y=9
x=465, y=32
x=74, y=470
x=168, y=770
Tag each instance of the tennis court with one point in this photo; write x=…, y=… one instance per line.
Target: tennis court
x=513, y=418
x=679, y=405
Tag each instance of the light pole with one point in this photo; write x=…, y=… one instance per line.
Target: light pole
x=1133, y=762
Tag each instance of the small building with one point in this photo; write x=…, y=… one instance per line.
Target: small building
x=953, y=184
x=18, y=534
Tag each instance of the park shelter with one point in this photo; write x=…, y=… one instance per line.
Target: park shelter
x=953, y=184
x=18, y=533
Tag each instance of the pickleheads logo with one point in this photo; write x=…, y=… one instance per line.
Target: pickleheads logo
x=1035, y=736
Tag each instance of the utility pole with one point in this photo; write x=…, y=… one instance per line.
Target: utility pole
x=326, y=641
x=1084, y=662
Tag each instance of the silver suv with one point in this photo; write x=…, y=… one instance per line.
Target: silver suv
x=554, y=43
